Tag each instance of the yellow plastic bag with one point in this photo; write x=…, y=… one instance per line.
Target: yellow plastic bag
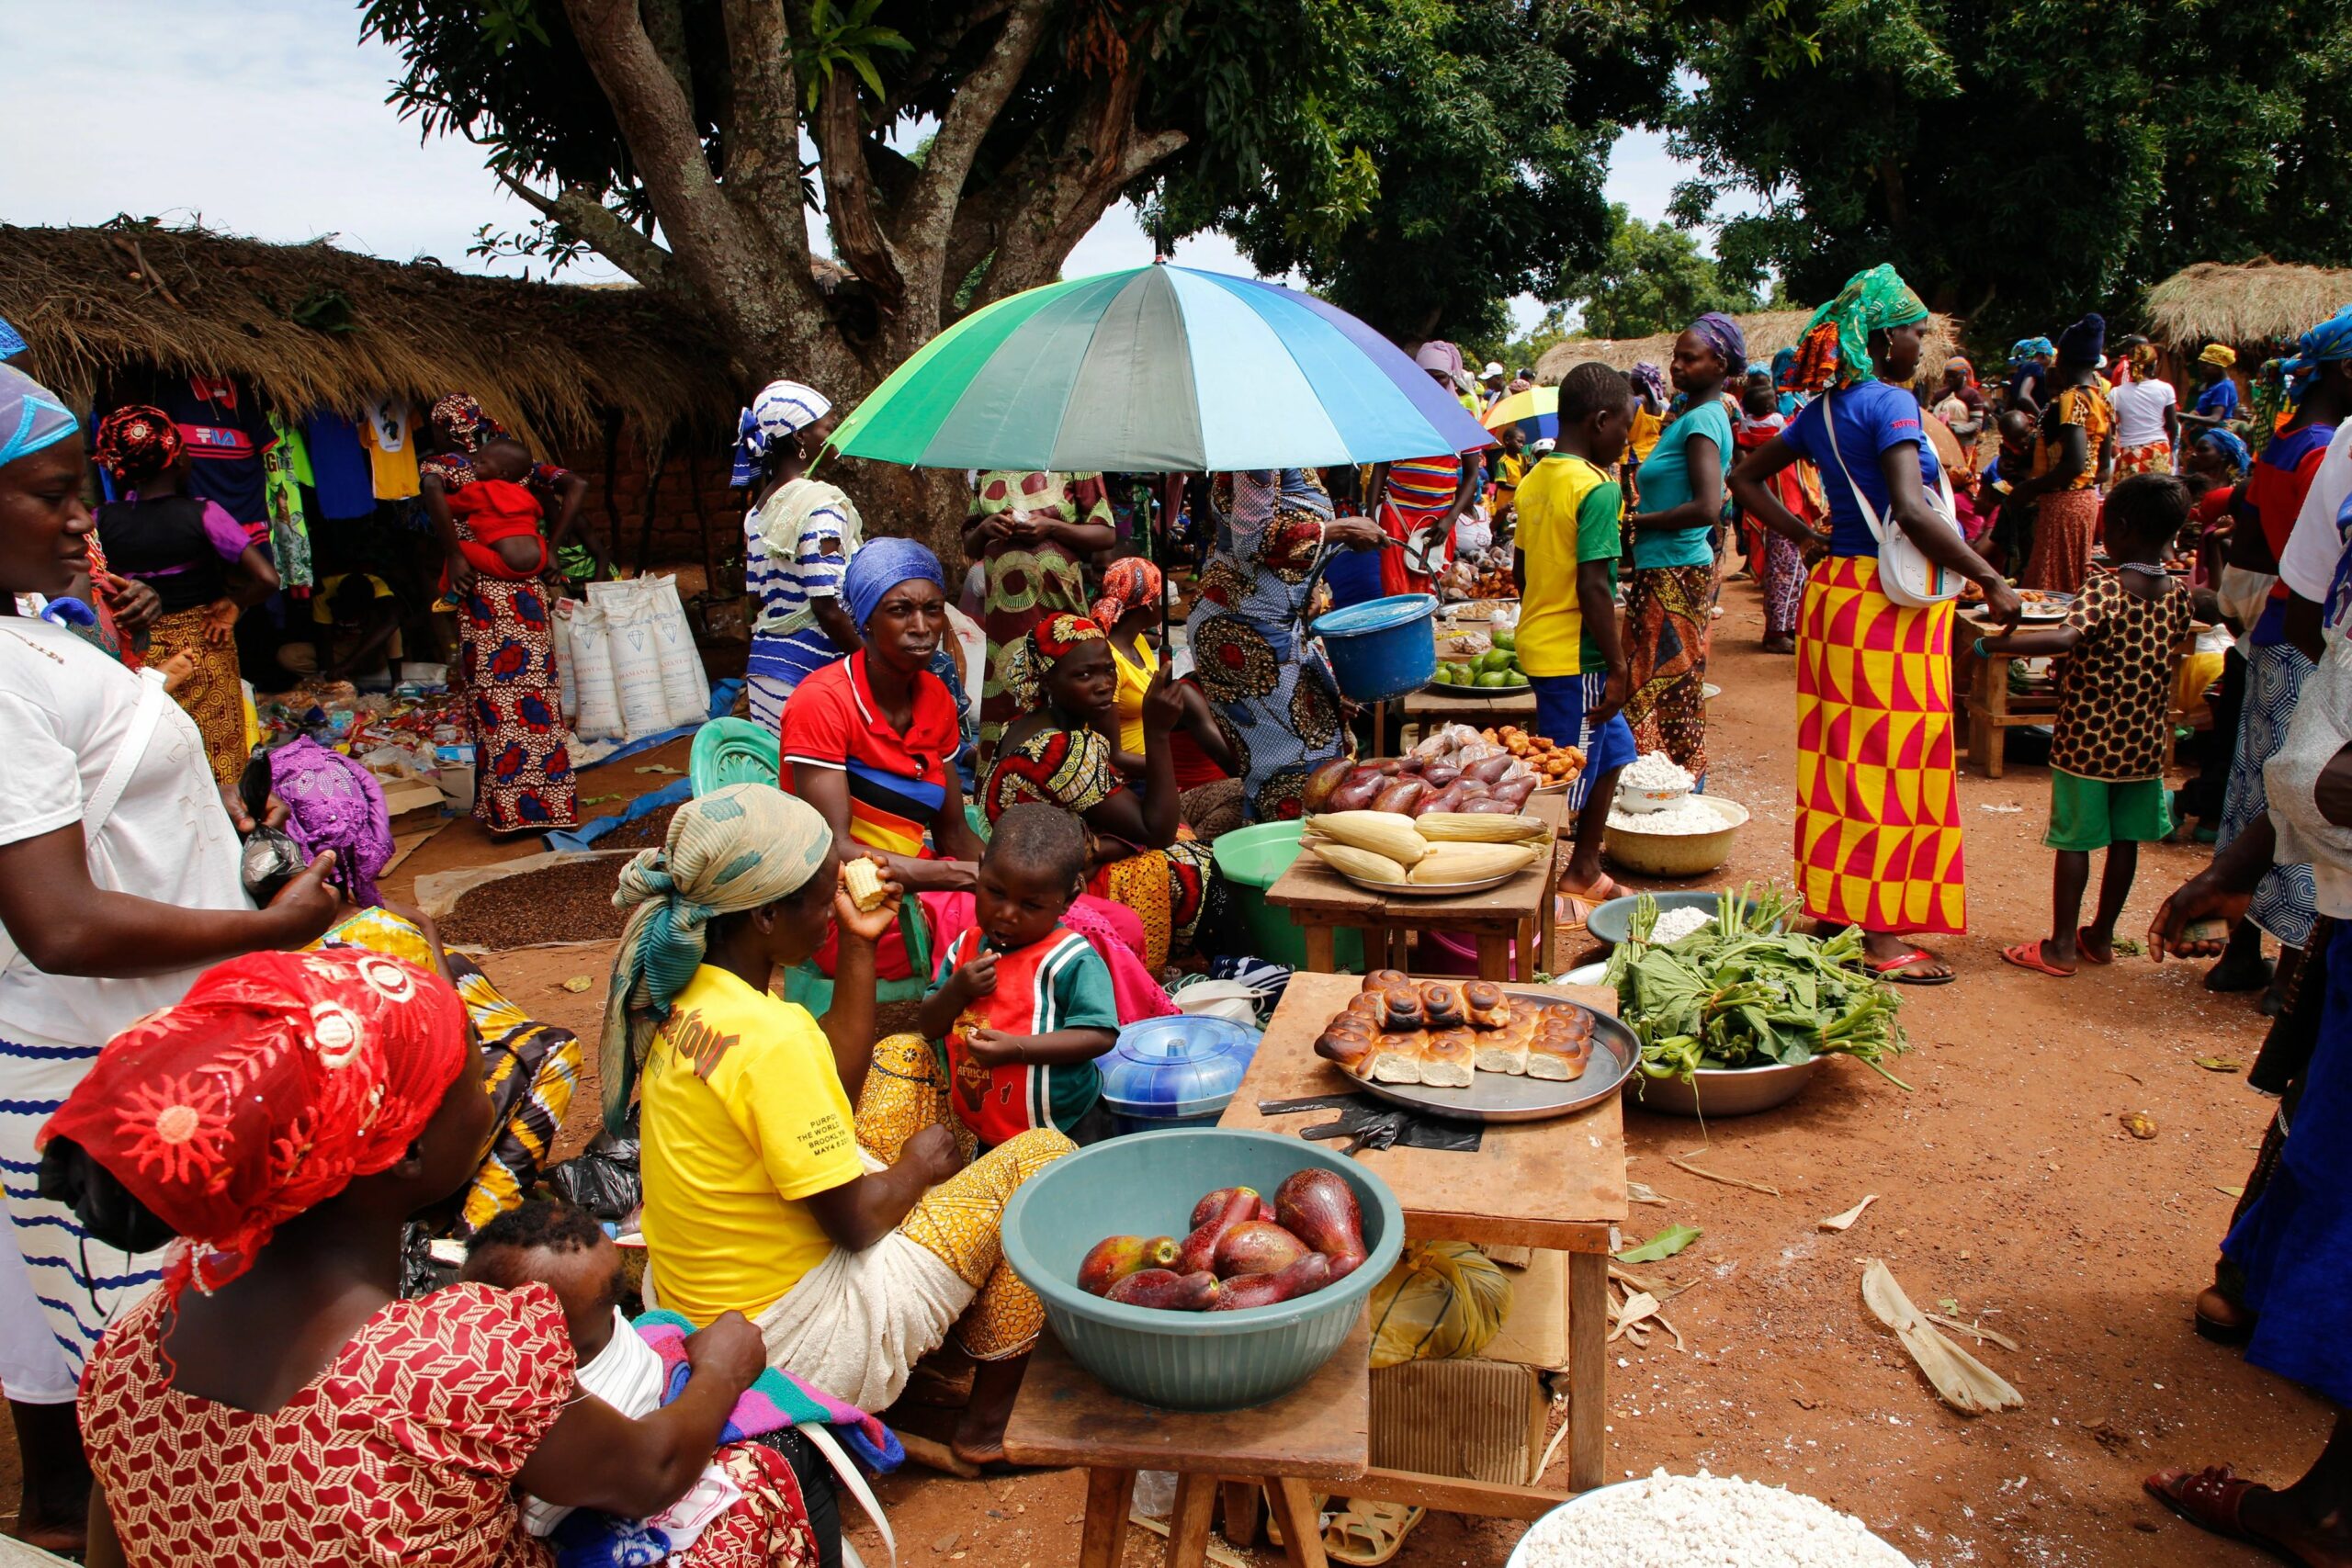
x=1445, y=1299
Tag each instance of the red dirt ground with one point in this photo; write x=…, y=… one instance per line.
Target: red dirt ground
x=2004, y=1182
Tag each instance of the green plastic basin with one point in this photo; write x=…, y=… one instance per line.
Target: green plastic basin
x=1145, y=1184
x=1253, y=859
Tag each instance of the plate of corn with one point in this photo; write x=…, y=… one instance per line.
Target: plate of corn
x=1436, y=854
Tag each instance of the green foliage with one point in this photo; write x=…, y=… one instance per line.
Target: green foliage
x=1454, y=160
x=1653, y=278
x=850, y=40
x=2019, y=161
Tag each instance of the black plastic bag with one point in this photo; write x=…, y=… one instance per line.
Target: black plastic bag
x=268, y=862
x=602, y=1179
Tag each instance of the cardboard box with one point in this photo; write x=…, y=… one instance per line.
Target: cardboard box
x=410, y=801
x=1535, y=1331
x=1483, y=1417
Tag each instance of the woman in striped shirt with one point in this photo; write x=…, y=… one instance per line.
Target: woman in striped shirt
x=797, y=539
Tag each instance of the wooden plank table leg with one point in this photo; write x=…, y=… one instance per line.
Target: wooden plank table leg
x=1188, y=1522
x=1242, y=1501
x=1588, y=1298
x=1301, y=1521
x=1997, y=708
x=1319, y=958
x=1108, y=1494
x=1493, y=956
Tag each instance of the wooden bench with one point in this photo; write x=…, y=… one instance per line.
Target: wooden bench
x=1318, y=1432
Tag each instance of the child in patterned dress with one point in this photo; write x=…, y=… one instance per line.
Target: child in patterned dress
x=2107, y=788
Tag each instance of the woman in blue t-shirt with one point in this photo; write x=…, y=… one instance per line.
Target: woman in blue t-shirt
x=1877, y=840
x=1671, y=590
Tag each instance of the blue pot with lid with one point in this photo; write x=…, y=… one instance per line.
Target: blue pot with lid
x=1174, y=1072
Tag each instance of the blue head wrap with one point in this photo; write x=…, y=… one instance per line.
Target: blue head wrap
x=2332, y=339
x=2085, y=343
x=2226, y=443
x=781, y=409
x=12, y=342
x=2027, y=348
x=1723, y=334
x=31, y=416
x=881, y=565
x=1784, y=370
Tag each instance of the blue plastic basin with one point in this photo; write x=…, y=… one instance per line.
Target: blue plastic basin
x=1384, y=649
x=1147, y=1184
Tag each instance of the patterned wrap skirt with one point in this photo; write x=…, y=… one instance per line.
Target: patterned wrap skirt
x=1878, y=835
x=2286, y=901
x=523, y=776
x=1275, y=702
x=1667, y=614
x=2066, y=530
x=2149, y=457
x=211, y=694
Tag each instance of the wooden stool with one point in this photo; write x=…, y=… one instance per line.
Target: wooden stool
x=1319, y=1431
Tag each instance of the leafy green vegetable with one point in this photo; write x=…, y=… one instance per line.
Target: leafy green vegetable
x=1743, y=993
x=1663, y=1245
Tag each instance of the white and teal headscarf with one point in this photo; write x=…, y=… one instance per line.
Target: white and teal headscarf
x=31, y=416
x=734, y=849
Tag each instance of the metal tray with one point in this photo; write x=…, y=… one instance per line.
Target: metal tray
x=1432, y=890
x=1501, y=1097
x=1446, y=689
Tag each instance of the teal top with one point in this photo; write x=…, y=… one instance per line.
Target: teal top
x=1665, y=479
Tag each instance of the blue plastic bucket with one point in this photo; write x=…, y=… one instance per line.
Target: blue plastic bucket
x=1384, y=649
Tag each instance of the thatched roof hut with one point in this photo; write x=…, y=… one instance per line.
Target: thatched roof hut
x=311, y=326
x=1767, y=332
x=2248, y=306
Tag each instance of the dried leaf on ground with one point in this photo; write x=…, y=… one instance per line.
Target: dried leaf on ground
x=2229, y=1191
x=1637, y=1306
x=1845, y=1221
x=1963, y=1381
x=2220, y=1064
x=1663, y=1245
x=578, y=983
x=2139, y=1123
x=1764, y=1187
x=1976, y=1329
x=1640, y=1192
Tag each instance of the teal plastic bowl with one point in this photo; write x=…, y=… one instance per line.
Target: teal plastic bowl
x=1253, y=859
x=1147, y=1184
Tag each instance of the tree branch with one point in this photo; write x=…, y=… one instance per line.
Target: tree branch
x=980, y=98
x=849, y=191
x=936, y=51
x=666, y=25
x=603, y=228
x=761, y=130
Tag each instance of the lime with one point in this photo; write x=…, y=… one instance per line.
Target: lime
x=1445, y=672
x=1492, y=678
x=1494, y=659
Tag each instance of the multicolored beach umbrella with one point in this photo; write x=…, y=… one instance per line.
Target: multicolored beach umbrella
x=1536, y=411
x=1158, y=369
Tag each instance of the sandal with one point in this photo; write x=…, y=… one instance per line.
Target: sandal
x=2221, y=1330
x=1891, y=970
x=2210, y=1499
x=1370, y=1533
x=2027, y=955
x=2083, y=948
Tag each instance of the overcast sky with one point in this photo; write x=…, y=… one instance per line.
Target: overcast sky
x=267, y=118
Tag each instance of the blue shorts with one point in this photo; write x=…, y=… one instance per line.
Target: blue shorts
x=1561, y=702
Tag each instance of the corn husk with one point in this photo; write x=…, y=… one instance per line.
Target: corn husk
x=1963, y=1381
x=1384, y=833
x=1479, y=828
x=1362, y=864
x=1469, y=862
x=864, y=881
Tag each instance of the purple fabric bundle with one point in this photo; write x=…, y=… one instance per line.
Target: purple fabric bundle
x=333, y=802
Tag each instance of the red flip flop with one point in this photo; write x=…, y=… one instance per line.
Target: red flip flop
x=1891, y=970
x=2084, y=948
x=2027, y=955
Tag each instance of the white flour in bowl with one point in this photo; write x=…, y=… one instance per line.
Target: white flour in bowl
x=1702, y=1521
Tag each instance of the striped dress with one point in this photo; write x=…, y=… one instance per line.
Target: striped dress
x=797, y=544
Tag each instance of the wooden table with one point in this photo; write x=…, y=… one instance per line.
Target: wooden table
x=1557, y=1184
x=1320, y=900
x=1320, y=1431
x=1993, y=708
x=1425, y=709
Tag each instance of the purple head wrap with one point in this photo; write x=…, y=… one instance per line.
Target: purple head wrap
x=1651, y=380
x=1723, y=334
x=333, y=802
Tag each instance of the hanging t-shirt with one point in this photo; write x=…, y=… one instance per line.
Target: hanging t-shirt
x=340, y=466
x=1664, y=482
x=745, y=1120
x=391, y=454
x=286, y=470
x=1871, y=416
x=226, y=434
x=65, y=709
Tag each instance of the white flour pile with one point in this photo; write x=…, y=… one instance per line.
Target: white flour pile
x=1676, y=924
x=1702, y=1521
x=1654, y=770
x=1690, y=814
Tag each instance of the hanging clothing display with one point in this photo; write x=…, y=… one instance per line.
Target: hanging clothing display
x=391, y=448
x=340, y=468
x=226, y=434
x=285, y=468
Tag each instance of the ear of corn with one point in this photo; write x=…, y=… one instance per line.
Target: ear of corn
x=1384, y=833
x=864, y=881
x=1477, y=827
x=1469, y=862
x=1362, y=864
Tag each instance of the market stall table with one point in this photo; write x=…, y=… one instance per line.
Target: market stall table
x=1321, y=901
x=1486, y=707
x=1993, y=708
x=1558, y=1185
x=1320, y=1432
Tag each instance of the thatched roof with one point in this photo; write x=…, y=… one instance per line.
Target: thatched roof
x=312, y=326
x=1767, y=332
x=2246, y=307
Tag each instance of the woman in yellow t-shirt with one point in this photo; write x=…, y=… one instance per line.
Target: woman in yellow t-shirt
x=1127, y=612
x=854, y=1261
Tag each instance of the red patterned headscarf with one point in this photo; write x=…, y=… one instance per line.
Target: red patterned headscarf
x=137, y=442
x=262, y=1093
x=458, y=418
x=1034, y=658
x=1128, y=584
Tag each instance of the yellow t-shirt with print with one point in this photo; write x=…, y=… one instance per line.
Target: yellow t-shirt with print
x=744, y=1119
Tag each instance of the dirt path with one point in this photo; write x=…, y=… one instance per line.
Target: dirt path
x=2004, y=1183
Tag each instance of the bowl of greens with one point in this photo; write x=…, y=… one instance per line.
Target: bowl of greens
x=1735, y=1017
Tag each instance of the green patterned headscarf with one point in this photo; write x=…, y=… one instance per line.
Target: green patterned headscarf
x=1835, y=348
x=732, y=850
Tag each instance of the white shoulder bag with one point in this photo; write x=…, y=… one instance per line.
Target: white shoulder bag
x=1905, y=573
